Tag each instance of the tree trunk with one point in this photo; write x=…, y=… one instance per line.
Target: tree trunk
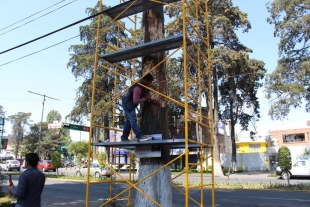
x=155, y=119
x=216, y=156
x=18, y=138
x=232, y=135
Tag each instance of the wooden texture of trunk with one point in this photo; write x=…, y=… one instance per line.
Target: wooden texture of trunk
x=157, y=186
x=232, y=134
x=155, y=119
x=216, y=156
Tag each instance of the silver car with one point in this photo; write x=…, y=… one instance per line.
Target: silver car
x=10, y=165
x=94, y=170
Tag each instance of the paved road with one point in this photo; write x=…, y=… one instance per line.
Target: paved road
x=64, y=193
x=71, y=193
x=233, y=178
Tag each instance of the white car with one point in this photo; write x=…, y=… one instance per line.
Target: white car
x=299, y=169
x=10, y=165
x=94, y=170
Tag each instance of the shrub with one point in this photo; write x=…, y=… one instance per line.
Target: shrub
x=79, y=160
x=56, y=159
x=209, y=169
x=102, y=159
x=3, y=179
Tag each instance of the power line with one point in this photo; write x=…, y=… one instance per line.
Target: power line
x=37, y=18
x=31, y=16
x=70, y=25
x=39, y=50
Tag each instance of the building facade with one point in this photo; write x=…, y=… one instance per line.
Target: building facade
x=297, y=141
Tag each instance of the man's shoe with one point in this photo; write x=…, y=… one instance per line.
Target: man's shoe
x=144, y=138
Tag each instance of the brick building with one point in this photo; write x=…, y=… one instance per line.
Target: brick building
x=297, y=140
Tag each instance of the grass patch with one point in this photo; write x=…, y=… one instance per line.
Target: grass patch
x=217, y=185
x=251, y=185
x=74, y=177
x=6, y=199
x=272, y=175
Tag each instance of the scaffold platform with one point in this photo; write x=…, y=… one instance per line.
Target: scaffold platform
x=131, y=8
x=145, y=49
x=173, y=143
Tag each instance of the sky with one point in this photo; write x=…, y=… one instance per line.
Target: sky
x=46, y=72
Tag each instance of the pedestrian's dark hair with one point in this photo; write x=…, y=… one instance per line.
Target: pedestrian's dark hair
x=148, y=77
x=32, y=159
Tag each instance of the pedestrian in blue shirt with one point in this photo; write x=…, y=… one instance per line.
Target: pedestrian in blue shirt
x=30, y=184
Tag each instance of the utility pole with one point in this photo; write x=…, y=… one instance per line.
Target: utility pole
x=40, y=134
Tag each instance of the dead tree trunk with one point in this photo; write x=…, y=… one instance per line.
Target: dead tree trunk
x=155, y=119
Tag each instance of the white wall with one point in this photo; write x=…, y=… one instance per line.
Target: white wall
x=251, y=161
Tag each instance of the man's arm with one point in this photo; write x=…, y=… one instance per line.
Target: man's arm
x=20, y=190
x=136, y=96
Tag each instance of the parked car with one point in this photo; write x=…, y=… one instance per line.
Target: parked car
x=299, y=169
x=94, y=170
x=4, y=159
x=21, y=161
x=46, y=165
x=10, y=165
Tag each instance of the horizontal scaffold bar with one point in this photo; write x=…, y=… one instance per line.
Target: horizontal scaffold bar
x=148, y=48
x=135, y=8
x=174, y=144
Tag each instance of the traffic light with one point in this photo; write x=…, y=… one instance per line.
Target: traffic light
x=65, y=125
x=75, y=127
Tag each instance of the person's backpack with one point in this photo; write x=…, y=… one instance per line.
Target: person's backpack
x=127, y=100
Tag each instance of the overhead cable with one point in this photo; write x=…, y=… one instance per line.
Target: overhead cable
x=39, y=50
x=70, y=25
x=31, y=15
x=37, y=18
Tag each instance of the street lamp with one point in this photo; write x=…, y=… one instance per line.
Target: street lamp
x=40, y=134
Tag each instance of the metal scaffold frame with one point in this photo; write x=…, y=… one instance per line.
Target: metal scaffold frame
x=193, y=47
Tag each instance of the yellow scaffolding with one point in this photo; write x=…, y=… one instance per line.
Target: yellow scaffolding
x=190, y=43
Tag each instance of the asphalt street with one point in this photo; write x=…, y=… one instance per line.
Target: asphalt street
x=72, y=193
x=233, y=178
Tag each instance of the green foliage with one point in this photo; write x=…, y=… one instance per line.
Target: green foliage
x=30, y=142
x=3, y=180
x=236, y=78
x=79, y=160
x=272, y=175
x=2, y=112
x=6, y=199
x=52, y=116
x=19, y=122
x=81, y=64
x=288, y=85
x=79, y=148
x=56, y=159
x=239, y=86
x=133, y=159
x=52, y=140
x=209, y=169
x=102, y=159
x=284, y=159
